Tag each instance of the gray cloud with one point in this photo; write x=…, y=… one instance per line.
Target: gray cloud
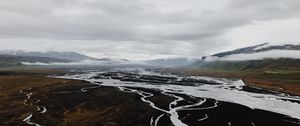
x=171, y=27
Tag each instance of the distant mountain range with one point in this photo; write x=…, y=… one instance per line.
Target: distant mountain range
x=72, y=56
x=15, y=60
x=18, y=57
x=171, y=62
x=242, y=58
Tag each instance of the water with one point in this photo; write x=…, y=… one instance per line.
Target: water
x=192, y=94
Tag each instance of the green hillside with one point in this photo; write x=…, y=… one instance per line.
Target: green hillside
x=266, y=64
x=283, y=70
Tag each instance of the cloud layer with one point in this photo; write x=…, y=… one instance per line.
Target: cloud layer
x=149, y=28
x=295, y=54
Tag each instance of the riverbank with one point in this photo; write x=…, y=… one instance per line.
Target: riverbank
x=287, y=81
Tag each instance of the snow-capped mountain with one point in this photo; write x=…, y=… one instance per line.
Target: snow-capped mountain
x=263, y=56
x=257, y=52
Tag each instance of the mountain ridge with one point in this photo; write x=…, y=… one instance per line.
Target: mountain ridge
x=73, y=56
x=15, y=60
x=257, y=48
x=218, y=60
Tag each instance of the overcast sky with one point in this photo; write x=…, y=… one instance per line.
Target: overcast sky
x=142, y=29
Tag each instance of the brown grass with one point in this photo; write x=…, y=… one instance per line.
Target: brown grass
x=12, y=108
x=273, y=85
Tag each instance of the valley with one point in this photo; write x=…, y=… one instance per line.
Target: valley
x=137, y=96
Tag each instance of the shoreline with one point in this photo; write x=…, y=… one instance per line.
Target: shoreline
x=250, y=79
x=291, y=89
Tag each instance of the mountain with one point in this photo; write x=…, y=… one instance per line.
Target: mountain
x=171, y=62
x=72, y=56
x=14, y=60
x=249, y=49
x=255, y=52
x=258, y=48
x=262, y=56
x=250, y=54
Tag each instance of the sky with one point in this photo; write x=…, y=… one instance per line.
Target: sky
x=146, y=29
